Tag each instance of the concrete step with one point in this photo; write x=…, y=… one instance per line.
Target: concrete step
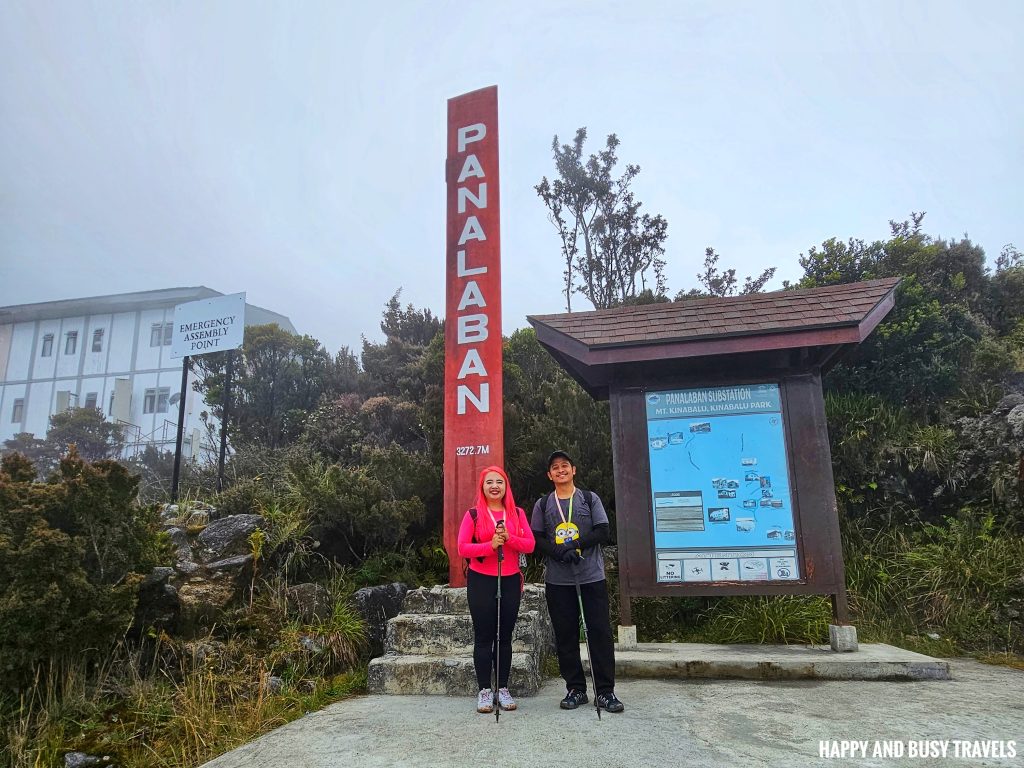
x=445, y=599
x=672, y=661
x=443, y=634
x=444, y=675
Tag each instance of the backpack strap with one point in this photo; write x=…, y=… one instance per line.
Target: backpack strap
x=472, y=514
x=543, y=501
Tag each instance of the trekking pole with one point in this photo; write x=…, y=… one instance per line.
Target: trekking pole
x=586, y=637
x=497, y=641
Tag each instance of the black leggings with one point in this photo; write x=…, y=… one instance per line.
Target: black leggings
x=482, y=592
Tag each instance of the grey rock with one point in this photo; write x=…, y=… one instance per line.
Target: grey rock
x=158, y=606
x=180, y=540
x=186, y=561
x=230, y=563
x=309, y=644
x=274, y=685
x=82, y=760
x=169, y=512
x=1015, y=420
x=203, y=602
x=229, y=536
x=200, y=653
x=1009, y=402
x=157, y=577
x=310, y=602
x=376, y=605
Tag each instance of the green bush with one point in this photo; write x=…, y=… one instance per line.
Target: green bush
x=72, y=553
x=245, y=497
x=356, y=511
x=962, y=580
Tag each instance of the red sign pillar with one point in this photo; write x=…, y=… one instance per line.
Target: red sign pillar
x=473, y=425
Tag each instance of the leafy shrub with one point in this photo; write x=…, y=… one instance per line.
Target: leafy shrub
x=359, y=510
x=72, y=553
x=245, y=497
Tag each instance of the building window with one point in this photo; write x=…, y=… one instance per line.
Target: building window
x=110, y=409
x=90, y=400
x=97, y=340
x=47, y=345
x=17, y=411
x=70, y=342
x=160, y=334
x=155, y=400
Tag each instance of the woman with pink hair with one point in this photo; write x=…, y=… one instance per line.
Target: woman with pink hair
x=494, y=524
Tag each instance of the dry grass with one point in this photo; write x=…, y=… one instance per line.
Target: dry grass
x=187, y=710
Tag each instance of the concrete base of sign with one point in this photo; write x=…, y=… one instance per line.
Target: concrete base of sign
x=842, y=637
x=874, y=661
x=627, y=638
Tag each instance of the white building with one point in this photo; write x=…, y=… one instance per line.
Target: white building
x=106, y=352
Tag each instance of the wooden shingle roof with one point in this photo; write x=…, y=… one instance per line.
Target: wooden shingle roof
x=833, y=317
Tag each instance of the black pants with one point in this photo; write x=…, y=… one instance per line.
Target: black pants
x=482, y=593
x=565, y=619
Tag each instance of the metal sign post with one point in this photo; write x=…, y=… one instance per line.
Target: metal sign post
x=181, y=429
x=201, y=328
x=224, y=421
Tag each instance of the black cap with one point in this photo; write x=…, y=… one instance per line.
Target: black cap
x=560, y=455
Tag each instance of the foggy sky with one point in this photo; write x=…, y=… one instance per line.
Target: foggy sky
x=295, y=151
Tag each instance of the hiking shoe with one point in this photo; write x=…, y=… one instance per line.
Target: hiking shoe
x=505, y=700
x=609, y=702
x=573, y=699
x=485, y=701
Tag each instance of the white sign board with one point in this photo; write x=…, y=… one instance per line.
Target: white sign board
x=210, y=325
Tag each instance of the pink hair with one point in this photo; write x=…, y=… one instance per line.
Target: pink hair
x=511, y=516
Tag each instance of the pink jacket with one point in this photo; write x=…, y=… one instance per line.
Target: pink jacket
x=520, y=539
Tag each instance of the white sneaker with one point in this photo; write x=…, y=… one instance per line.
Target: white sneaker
x=505, y=700
x=485, y=701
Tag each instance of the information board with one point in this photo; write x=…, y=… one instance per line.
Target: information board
x=720, y=485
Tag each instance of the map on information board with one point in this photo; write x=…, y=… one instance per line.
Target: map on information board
x=720, y=485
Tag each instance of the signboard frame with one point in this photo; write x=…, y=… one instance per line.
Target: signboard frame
x=208, y=325
x=808, y=457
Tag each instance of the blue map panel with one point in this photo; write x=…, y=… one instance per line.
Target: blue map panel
x=720, y=485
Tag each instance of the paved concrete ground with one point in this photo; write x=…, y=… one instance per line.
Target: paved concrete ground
x=666, y=723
